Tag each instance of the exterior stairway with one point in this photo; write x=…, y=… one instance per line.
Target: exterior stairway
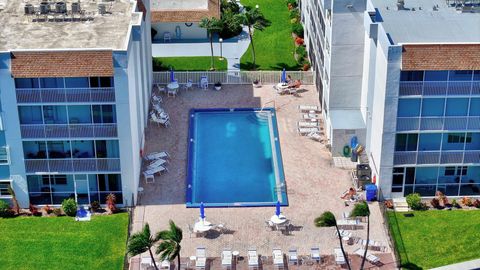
x=400, y=205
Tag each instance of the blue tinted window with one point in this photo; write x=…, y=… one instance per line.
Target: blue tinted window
x=476, y=75
x=460, y=75
x=81, y=82
x=411, y=76
x=475, y=107
x=51, y=82
x=429, y=141
x=441, y=75
x=426, y=175
x=408, y=107
x=433, y=107
x=457, y=106
x=26, y=83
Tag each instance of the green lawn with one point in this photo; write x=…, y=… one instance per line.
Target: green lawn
x=62, y=243
x=197, y=63
x=435, y=238
x=274, y=46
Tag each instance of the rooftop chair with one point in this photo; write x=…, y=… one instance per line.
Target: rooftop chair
x=201, y=261
x=293, y=256
x=188, y=85
x=304, y=131
x=157, y=155
x=167, y=37
x=311, y=116
x=156, y=99
x=252, y=259
x=339, y=258
x=155, y=170
x=160, y=121
x=308, y=108
x=307, y=124
x=203, y=84
x=158, y=109
x=227, y=259
x=315, y=254
x=149, y=178
x=165, y=264
x=277, y=256
x=314, y=136
x=370, y=257
x=156, y=163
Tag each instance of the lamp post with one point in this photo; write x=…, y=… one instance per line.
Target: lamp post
x=221, y=49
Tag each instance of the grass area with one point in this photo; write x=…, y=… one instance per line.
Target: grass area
x=196, y=63
x=274, y=45
x=62, y=243
x=434, y=238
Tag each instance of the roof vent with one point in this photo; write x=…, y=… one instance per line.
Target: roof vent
x=29, y=10
x=60, y=7
x=400, y=4
x=102, y=9
x=76, y=7
x=44, y=8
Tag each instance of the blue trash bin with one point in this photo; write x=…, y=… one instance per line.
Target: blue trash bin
x=371, y=192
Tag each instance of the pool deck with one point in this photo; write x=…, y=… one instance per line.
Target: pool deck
x=314, y=185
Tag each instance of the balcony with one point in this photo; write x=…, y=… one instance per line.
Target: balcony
x=442, y=88
x=4, y=155
x=451, y=123
x=69, y=131
x=73, y=165
x=436, y=157
x=60, y=95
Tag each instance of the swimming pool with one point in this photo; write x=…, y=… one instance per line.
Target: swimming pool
x=234, y=158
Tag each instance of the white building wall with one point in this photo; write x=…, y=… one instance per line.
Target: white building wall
x=192, y=32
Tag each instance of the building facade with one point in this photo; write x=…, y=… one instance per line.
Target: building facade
x=75, y=104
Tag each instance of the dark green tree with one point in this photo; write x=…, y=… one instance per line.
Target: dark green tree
x=213, y=26
x=361, y=210
x=142, y=241
x=253, y=19
x=170, y=247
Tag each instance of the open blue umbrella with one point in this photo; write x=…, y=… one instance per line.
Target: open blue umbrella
x=172, y=75
x=277, y=208
x=202, y=211
x=284, y=76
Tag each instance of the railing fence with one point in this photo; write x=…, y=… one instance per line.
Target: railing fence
x=233, y=77
x=388, y=229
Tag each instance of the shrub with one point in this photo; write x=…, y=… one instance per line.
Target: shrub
x=5, y=210
x=34, y=210
x=297, y=29
x=95, y=205
x=435, y=203
x=229, y=6
x=57, y=212
x=466, y=201
x=389, y=204
x=301, y=53
x=111, y=200
x=299, y=41
x=291, y=4
x=360, y=210
x=295, y=14
x=231, y=25
x=306, y=67
x=47, y=209
x=455, y=203
x=414, y=201
x=69, y=207
x=476, y=203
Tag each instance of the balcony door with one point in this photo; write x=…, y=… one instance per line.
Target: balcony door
x=82, y=194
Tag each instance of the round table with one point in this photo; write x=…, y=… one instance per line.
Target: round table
x=235, y=253
x=278, y=219
x=173, y=85
x=202, y=226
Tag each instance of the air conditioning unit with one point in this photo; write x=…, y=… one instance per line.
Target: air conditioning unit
x=44, y=8
x=60, y=7
x=29, y=9
x=76, y=7
x=102, y=9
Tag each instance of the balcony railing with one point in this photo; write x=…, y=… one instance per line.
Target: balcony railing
x=4, y=155
x=73, y=165
x=439, y=88
x=69, y=131
x=54, y=95
x=436, y=157
x=438, y=123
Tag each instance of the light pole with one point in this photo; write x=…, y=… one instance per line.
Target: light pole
x=221, y=49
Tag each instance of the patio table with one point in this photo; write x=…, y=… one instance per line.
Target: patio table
x=202, y=226
x=278, y=219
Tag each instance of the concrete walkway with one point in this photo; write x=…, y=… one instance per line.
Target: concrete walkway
x=469, y=265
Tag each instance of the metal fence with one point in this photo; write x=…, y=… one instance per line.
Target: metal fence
x=233, y=77
x=388, y=229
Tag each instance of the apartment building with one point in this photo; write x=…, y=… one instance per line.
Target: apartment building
x=75, y=80
x=419, y=96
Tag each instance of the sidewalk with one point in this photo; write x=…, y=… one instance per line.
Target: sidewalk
x=468, y=265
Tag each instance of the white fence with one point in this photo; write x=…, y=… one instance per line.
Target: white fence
x=233, y=77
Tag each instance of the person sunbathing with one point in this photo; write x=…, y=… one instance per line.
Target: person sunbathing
x=350, y=194
x=289, y=79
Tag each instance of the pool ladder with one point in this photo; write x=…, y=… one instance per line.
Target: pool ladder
x=261, y=114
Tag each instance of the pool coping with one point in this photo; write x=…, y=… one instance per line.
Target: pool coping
x=278, y=163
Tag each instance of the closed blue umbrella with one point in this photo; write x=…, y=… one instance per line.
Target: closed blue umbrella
x=202, y=211
x=277, y=209
x=172, y=75
x=284, y=75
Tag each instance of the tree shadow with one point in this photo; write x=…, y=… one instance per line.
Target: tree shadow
x=411, y=266
x=159, y=66
x=248, y=66
x=281, y=66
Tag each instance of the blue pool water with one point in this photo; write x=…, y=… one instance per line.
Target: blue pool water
x=234, y=158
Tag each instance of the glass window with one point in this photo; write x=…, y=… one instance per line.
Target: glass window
x=94, y=83
x=447, y=175
x=83, y=149
x=106, y=81
x=460, y=75
x=104, y=114
x=426, y=175
x=475, y=107
x=476, y=75
x=51, y=83
x=408, y=107
x=437, y=75
x=58, y=149
x=457, y=107
x=27, y=83
x=30, y=114
x=34, y=150
x=107, y=149
x=429, y=141
x=433, y=106
x=409, y=175
x=4, y=186
x=426, y=190
x=80, y=114
x=453, y=141
x=472, y=141
x=55, y=114
x=411, y=76
x=400, y=142
x=80, y=82
x=412, y=140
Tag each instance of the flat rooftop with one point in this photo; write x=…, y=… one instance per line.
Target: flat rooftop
x=178, y=4
x=429, y=21
x=91, y=30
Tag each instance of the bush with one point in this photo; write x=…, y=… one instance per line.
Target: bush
x=476, y=203
x=233, y=6
x=466, y=201
x=297, y=29
x=57, y=212
x=435, y=203
x=111, y=200
x=291, y=4
x=295, y=14
x=306, y=66
x=299, y=41
x=47, y=209
x=95, y=205
x=414, y=201
x=5, y=210
x=360, y=210
x=455, y=203
x=69, y=207
x=34, y=210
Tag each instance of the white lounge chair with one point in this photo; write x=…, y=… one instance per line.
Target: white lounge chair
x=156, y=99
x=293, y=256
x=315, y=254
x=304, y=131
x=311, y=116
x=165, y=264
x=155, y=170
x=159, y=121
x=370, y=257
x=157, y=155
x=188, y=85
x=203, y=84
x=146, y=262
x=201, y=261
x=227, y=259
x=314, y=136
x=308, y=108
x=339, y=258
x=277, y=256
x=252, y=258
x=307, y=124
x=156, y=163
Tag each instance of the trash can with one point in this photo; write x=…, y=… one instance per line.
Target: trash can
x=371, y=193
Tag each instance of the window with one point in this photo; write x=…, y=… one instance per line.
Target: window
x=30, y=114
x=55, y=114
x=475, y=107
x=101, y=82
x=51, y=83
x=456, y=138
x=457, y=107
x=27, y=83
x=4, y=186
x=460, y=75
x=104, y=114
x=429, y=141
x=476, y=75
x=433, y=106
x=449, y=171
x=411, y=76
x=406, y=142
x=436, y=75
x=408, y=107
x=80, y=82
x=462, y=170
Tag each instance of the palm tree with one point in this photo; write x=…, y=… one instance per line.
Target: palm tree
x=253, y=19
x=170, y=247
x=213, y=26
x=362, y=210
x=141, y=242
x=327, y=219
